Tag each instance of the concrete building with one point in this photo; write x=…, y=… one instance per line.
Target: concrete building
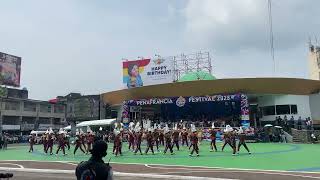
x=20, y=114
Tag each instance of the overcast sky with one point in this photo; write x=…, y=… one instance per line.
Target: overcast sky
x=77, y=45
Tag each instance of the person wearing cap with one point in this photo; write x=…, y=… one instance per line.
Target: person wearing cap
x=95, y=168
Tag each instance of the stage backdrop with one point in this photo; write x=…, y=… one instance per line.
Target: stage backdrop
x=182, y=101
x=146, y=72
x=10, y=70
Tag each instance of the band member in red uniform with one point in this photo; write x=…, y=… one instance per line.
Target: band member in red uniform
x=138, y=136
x=78, y=143
x=131, y=140
x=90, y=139
x=50, y=141
x=32, y=140
x=117, y=143
x=67, y=141
x=175, y=137
x=168, y=140
x=242, y=140
x=194, y=142
x=229, y=138
x=155, y=135
x=149, y=139
x=161, y=138
x=233, y=142
x=61, y=144
x=184, y=135
x=213, y=135
x=44, y=142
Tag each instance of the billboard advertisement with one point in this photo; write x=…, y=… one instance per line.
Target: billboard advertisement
x=146, y=72
x=10, y=69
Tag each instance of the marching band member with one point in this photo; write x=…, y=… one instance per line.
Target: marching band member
x=32, y=141
x=138, y=136
x=50, y=140
x=194, y=141
x=175, y=137
x=213, y=135
x=155, y=135
x=149, y=138
x=167, y=137
x=61, y=142
x=184, y=136
x=242, y=140
x=78, y=143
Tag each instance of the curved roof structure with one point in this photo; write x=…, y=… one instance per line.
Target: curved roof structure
x=219, y=86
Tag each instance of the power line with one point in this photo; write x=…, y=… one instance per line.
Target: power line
x=271, y=36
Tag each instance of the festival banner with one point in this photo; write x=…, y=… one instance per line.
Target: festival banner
x=146, y=72
x=182, y=101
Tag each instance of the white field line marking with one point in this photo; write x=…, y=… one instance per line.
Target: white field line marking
x=184, y=166
x=117, y=174
x=266, y=173
x=13, y=164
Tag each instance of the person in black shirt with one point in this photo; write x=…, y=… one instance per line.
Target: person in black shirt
x=95, y=168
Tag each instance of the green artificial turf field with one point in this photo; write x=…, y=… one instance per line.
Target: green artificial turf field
x=265, y=156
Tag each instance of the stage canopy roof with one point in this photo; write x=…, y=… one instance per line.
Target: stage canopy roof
x=219, y=86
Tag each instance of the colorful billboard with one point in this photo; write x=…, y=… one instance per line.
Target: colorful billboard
x=10, y=70
x=146, y=72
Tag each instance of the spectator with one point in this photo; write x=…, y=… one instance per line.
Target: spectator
x=313, y=138
x=299, y=123
x=283, y=136
x=95, y=168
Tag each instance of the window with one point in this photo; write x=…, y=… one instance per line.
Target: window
x=45, y=108
x=294, y=109
x=268, y=110
x=58, y=108
x=12, y=105
x=282, y=109
x=29, y=106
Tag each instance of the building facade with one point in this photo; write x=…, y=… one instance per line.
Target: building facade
x=20, y=114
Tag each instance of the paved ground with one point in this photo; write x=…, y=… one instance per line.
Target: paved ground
x=25, y=170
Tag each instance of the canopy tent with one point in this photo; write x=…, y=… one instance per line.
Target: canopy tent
x=101, y=122
x=196, y=76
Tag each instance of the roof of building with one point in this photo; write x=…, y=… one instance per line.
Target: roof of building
x=220, y=86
